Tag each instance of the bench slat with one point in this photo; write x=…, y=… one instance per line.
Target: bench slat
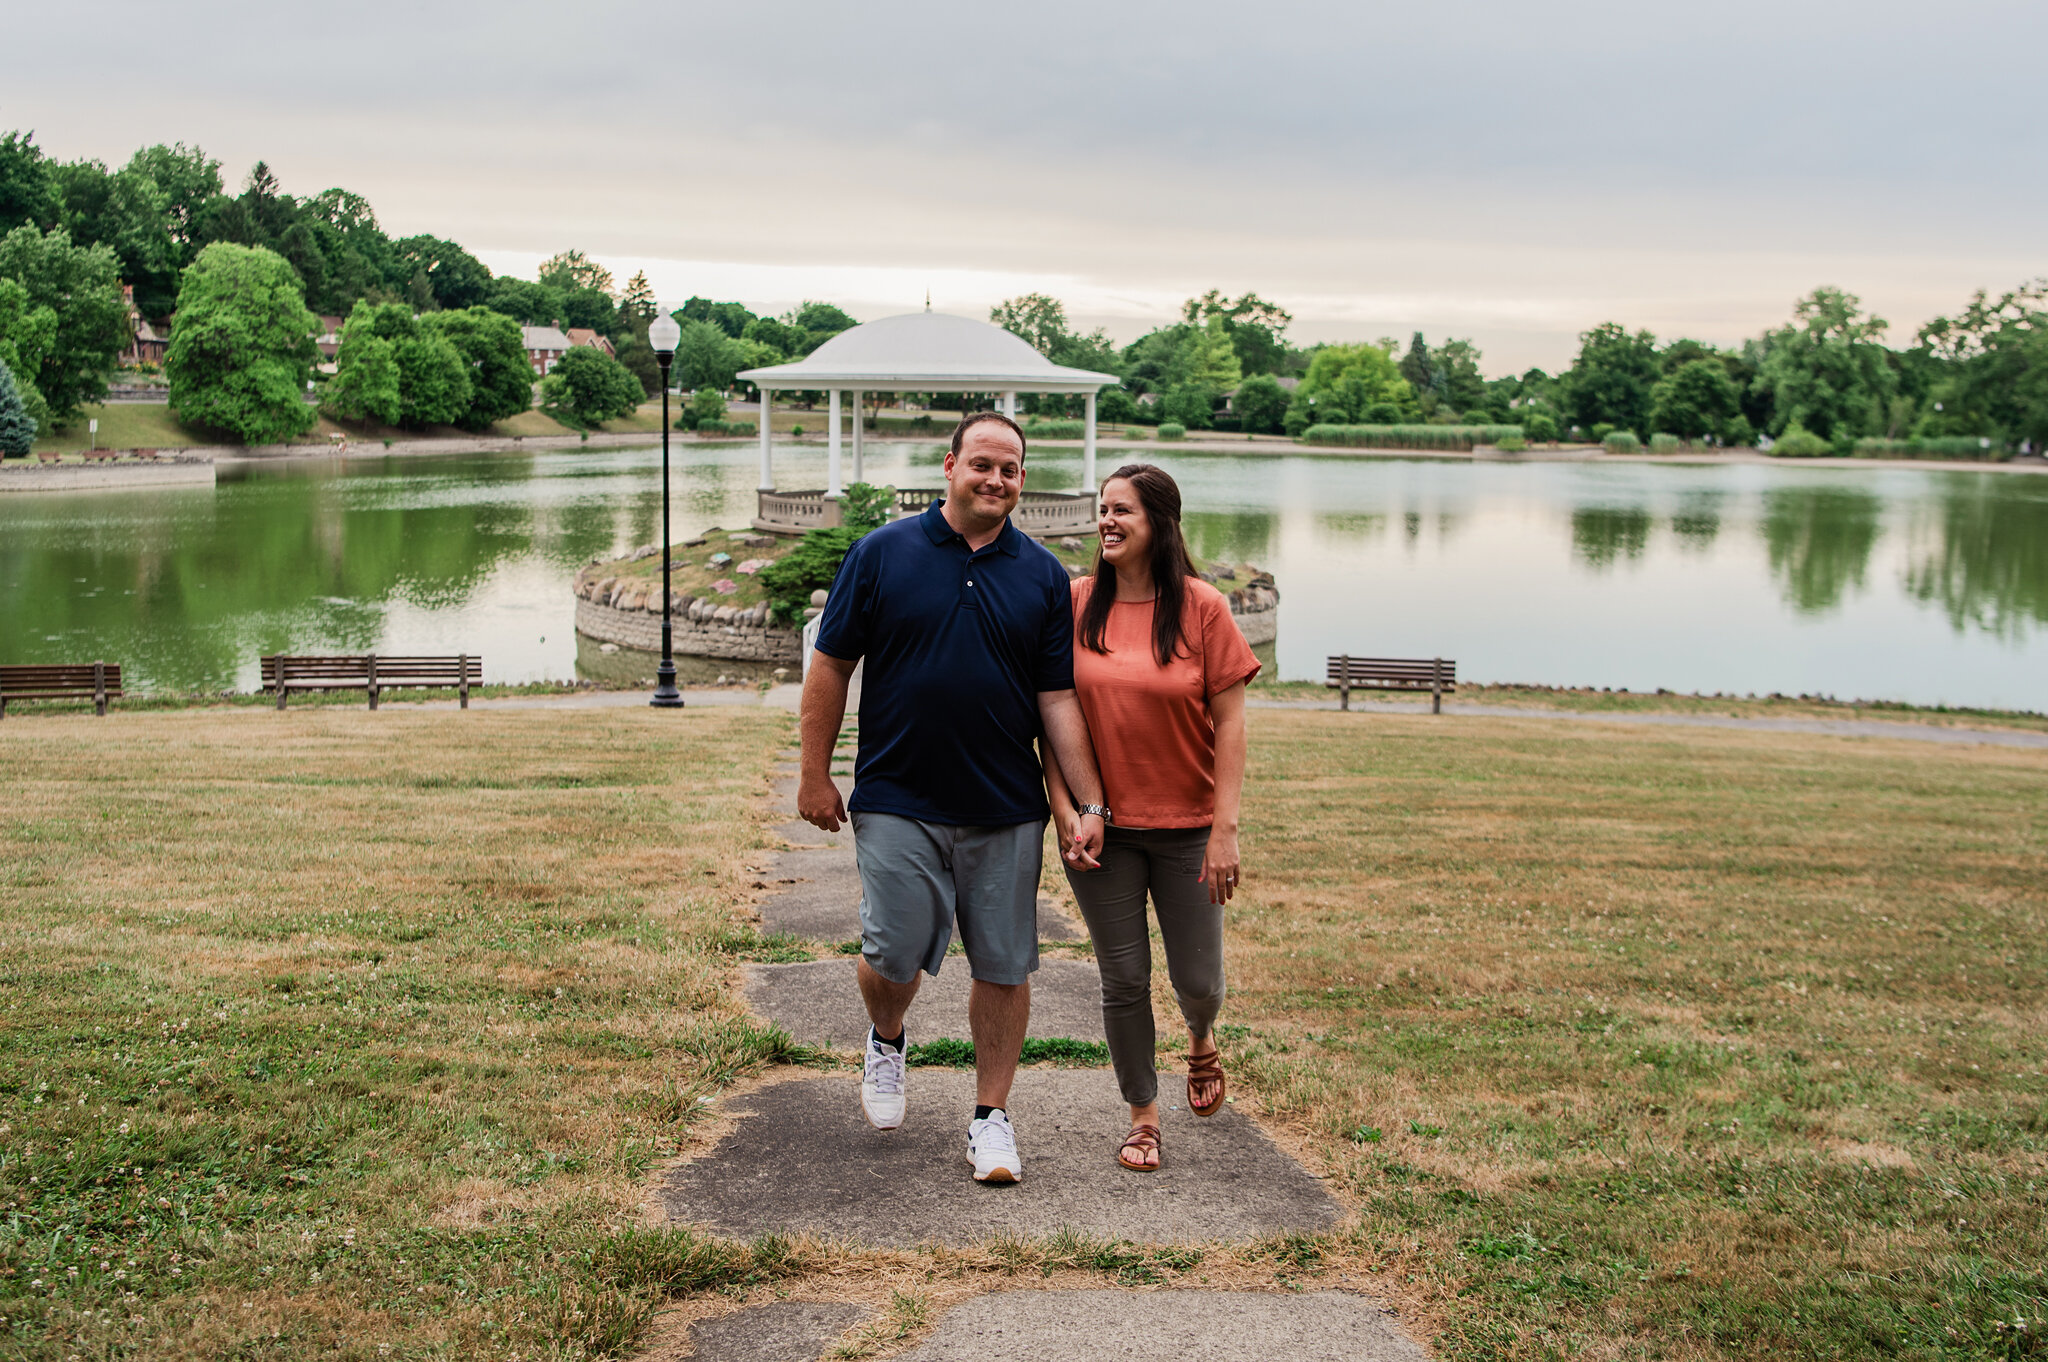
x=287, y=672
x=99, y=682
x=1433, y=674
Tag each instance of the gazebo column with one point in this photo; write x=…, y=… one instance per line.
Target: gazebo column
x=1010, y=405
x=767, y=440
x=1088, y=448
x=832, y=487
x=856, y=438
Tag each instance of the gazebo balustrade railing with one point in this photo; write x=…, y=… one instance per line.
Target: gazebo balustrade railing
x=1042, y=515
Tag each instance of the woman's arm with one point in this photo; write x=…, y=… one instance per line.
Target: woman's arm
x=1219, y=862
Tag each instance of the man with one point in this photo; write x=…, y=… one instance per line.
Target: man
x=967, y=628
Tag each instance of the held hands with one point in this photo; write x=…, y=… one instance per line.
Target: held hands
x=1219, y=865
x=1080, y=838
x=818, y=802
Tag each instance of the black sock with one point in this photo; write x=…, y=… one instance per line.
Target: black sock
x=982, y=1113
x=896, y=1044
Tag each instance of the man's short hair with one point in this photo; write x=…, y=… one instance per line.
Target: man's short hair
x=975, y=419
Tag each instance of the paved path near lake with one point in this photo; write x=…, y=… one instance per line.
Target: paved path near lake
x=803, y=1160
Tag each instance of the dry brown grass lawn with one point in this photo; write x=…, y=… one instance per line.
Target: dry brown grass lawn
x=329, y=1032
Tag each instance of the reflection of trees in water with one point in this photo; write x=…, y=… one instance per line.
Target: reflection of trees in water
x=1603, y=534
x=1697, y=522
x=1989, y=567
x=1819, y=541
x=1230, y=535
x=1350, y=528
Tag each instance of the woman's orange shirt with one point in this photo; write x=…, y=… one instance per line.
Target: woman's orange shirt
x=1155, y=738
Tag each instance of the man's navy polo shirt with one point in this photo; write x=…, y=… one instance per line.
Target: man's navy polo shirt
x=958, y=647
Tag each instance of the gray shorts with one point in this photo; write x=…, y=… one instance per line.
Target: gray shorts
x=917, y=877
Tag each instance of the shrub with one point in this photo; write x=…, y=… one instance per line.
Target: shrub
x=1262, y=405
x=727, y=427
x=811, y=565
x=1799, y=443
x=1664, y=442
x=1116, y=407
x=1172, y=430
x=1597, y=432
x=707, y=405
x=587, y=387
x=17, y=427
x=796, y=430
x=1621, y=442
x=1739, y=432
x=1409, y=436
x=1054, y=430
x=1539, y=426
x=1381, y=414
x=1511, y=444
x=1938, y=447
x=866, y=506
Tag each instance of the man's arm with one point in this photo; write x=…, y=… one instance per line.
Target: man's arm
x=1066, y=732
x=824, y=710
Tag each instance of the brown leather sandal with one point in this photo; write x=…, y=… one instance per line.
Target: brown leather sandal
x=1144, y=1138
x=1207, y=1069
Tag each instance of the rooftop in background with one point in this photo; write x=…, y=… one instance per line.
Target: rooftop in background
x=928, y=352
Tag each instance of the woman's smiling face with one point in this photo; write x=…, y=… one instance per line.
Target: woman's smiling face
x=1125, y=529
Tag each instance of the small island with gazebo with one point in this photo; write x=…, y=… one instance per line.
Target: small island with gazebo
x=719, y=609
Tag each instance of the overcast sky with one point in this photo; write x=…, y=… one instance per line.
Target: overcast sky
x=1487, y=168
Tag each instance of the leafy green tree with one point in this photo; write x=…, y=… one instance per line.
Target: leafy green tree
x=28, y=331
x=1192, y=405
x=822, y=319
x=1262, y=405
x=126, y=212
x=17, y=427
x=1036, y=318
x=706, y=404
x=365, y=382
x=454, y=277
x=80, y=285
x=589, y=307
x=242, y=346
x=706, y=357
x=1419, y=367
x=571, y=271
x=1257, y=328
x=1993, y=367
x=780, y=336
x=1212, y=360
x=1458, y=382
x=587, y=387
x=636, y=354
x=731, y=318
x=1828, y=369
x=523, y=301
x=1697, y=398
x=1610, y=382
x=639, y=303
x=1345, y=381
x=188, y=179
x=1116, y=407
x=28, y=190
x=494, y=352
x=434, y=387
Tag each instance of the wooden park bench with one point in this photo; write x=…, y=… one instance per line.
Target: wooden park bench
x=98, y=682
x=1433, y=674
x=286, y=672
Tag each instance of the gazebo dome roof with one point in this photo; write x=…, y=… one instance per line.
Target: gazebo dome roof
x=928, y=352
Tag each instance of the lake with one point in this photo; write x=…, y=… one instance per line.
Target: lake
x=1865, y=583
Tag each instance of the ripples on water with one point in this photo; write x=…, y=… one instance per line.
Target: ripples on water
x=1876, y=583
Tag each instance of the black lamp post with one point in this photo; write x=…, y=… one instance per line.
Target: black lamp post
x=662, y=335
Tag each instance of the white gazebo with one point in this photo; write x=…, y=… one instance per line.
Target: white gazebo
x=920, y=352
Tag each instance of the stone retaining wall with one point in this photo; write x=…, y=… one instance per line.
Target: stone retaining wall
x=72, y=477
x=627, y=611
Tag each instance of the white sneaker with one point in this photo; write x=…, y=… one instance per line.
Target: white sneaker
x=992, y=1149
x=881, y=1084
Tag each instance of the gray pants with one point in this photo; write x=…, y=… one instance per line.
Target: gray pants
x=1165, y=862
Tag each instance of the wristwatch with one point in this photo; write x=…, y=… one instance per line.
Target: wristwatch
x=1099, y=810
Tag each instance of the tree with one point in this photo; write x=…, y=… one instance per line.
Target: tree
x=1039, y=320
x=433, y=380
x=126, y=212
x=1994, y=367
x=1212, y=360
x=706, y=357
x=79, y=285
x=17, y=427
x=27, y=333
x=1610, y=381
x=500, y=374
x=589, y=386
x=454, y=277
x=365, y=382
x=1344, y=383
x=589, y=307
x=639, y=304
x=1828, y=370
x=1256, y=327
x=242, y=345
x=188, y=178
x=569, y=271
x=1697, y=398
x=1418, y=367
x=523, y=301
x=1262, y=405
x=28, y=191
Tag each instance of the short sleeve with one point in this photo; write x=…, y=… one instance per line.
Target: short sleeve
x=1056, y=638
x=843, y=630
x=1226, y=658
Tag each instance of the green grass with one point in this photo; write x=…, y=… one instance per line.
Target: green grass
x=1061, y=1050
x=1421, y=437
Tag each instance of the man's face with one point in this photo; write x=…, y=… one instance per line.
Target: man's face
x=986, y=477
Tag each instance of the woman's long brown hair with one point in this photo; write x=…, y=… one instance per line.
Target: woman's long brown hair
x=1159, y=497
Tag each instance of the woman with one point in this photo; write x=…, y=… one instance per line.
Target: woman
x=1160, y=668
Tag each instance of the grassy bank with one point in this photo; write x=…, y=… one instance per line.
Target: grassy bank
x=150, y=425
x=331, y=1033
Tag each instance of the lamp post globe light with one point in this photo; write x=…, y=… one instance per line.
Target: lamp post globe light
x=662, y=335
